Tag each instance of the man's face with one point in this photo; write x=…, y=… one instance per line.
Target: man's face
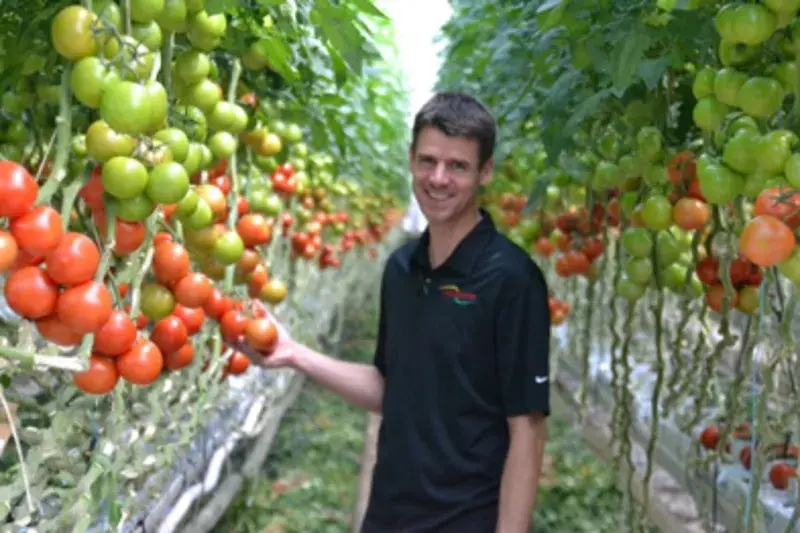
x=446, y=175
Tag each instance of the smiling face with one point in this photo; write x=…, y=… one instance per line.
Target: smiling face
x=447, y=174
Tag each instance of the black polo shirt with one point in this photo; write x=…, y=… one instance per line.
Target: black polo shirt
x=461, y=347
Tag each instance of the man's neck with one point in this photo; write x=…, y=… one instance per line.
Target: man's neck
x=445, y=238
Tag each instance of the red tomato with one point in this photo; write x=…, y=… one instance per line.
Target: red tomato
x=31, y=293
x=39, y=230
x=170, y=262
x=74, y=260
x=101, y=378
x=9, y=251
x=51, y=328
x=169, y=334
x=86, y=307
x=180, y=358
x=18, y=190
x=217, y=304
x=142, y=364
x=192, y=317
x=116, y=336
x=238, y=363
x=193, y=290
x=233, y=325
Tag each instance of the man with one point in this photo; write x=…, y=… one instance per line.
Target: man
x=461, y=366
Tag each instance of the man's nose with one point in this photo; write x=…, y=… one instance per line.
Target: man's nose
x=439, y=175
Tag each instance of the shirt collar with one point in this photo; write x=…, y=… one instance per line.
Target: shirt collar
x=467, y=252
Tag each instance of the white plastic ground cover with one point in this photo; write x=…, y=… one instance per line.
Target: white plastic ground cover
x=732, y=481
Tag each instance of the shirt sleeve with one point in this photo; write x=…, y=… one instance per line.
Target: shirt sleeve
x=523, y=344
x=380, y=346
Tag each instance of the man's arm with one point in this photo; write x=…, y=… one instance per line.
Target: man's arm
x=523, y=344
x=523, y=466
x=357, y=383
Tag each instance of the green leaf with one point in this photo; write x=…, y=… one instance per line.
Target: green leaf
x=652, y=70
x=626, y=57
x=280, y=56
x=548, y=5
x=368, y=7
x=219, y=6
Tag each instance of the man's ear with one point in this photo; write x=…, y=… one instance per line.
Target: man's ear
x=487, y=171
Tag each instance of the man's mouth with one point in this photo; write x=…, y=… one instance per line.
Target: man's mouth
x=438, y=196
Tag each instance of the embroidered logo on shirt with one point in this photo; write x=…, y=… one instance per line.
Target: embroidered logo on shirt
x=458, y=296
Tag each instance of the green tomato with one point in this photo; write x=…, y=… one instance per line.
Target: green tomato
x=157, y=301
x=203, y=95
x=752, y=24
x=657, y=212
x=148, y=34
x=709, y=113
x=124, y=178
x=727, y=84
x=774, y=149
x=629, y=290
x=790, y=268
x=204, y=26
x=187, y=205
x=159, y=105
x=733, y=54
x=672, y=277
x=761, y=97
x=174, y=16
x=223, y=116
x=668, y=249
x=228, y=248
x=703, y=85
x=177, y=142
x=222, y=144
x=103, y=143
x=639, y=270
x=786, y=6
x=144, y=11
x=754, y=184
x=127, y=108
x=192, y=66
x=71, y=33
x=739, y=152
x=194, y=158
x=206, y=157
x=135, y=209
x=791, y=170
x=89, y=79
x=240, y=120
x=293, y=133
x=719, y=184
x=201, y=217
x=79, y=146
x=193, y=122
x=168, y=183
x=655, y=175
x=648, y=144
x=786, y=73
x=637, y=242
x=606, y=175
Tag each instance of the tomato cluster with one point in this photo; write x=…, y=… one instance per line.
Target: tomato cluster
x=559, y=309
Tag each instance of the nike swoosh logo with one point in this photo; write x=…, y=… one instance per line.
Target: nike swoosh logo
x=541, y=379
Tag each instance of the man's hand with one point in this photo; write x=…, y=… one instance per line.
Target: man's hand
x=284, y=355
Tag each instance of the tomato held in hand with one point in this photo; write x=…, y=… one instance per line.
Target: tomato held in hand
x=101, y=377
x=261, y=334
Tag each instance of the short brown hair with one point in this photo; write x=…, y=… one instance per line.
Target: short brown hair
x=458, y=115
